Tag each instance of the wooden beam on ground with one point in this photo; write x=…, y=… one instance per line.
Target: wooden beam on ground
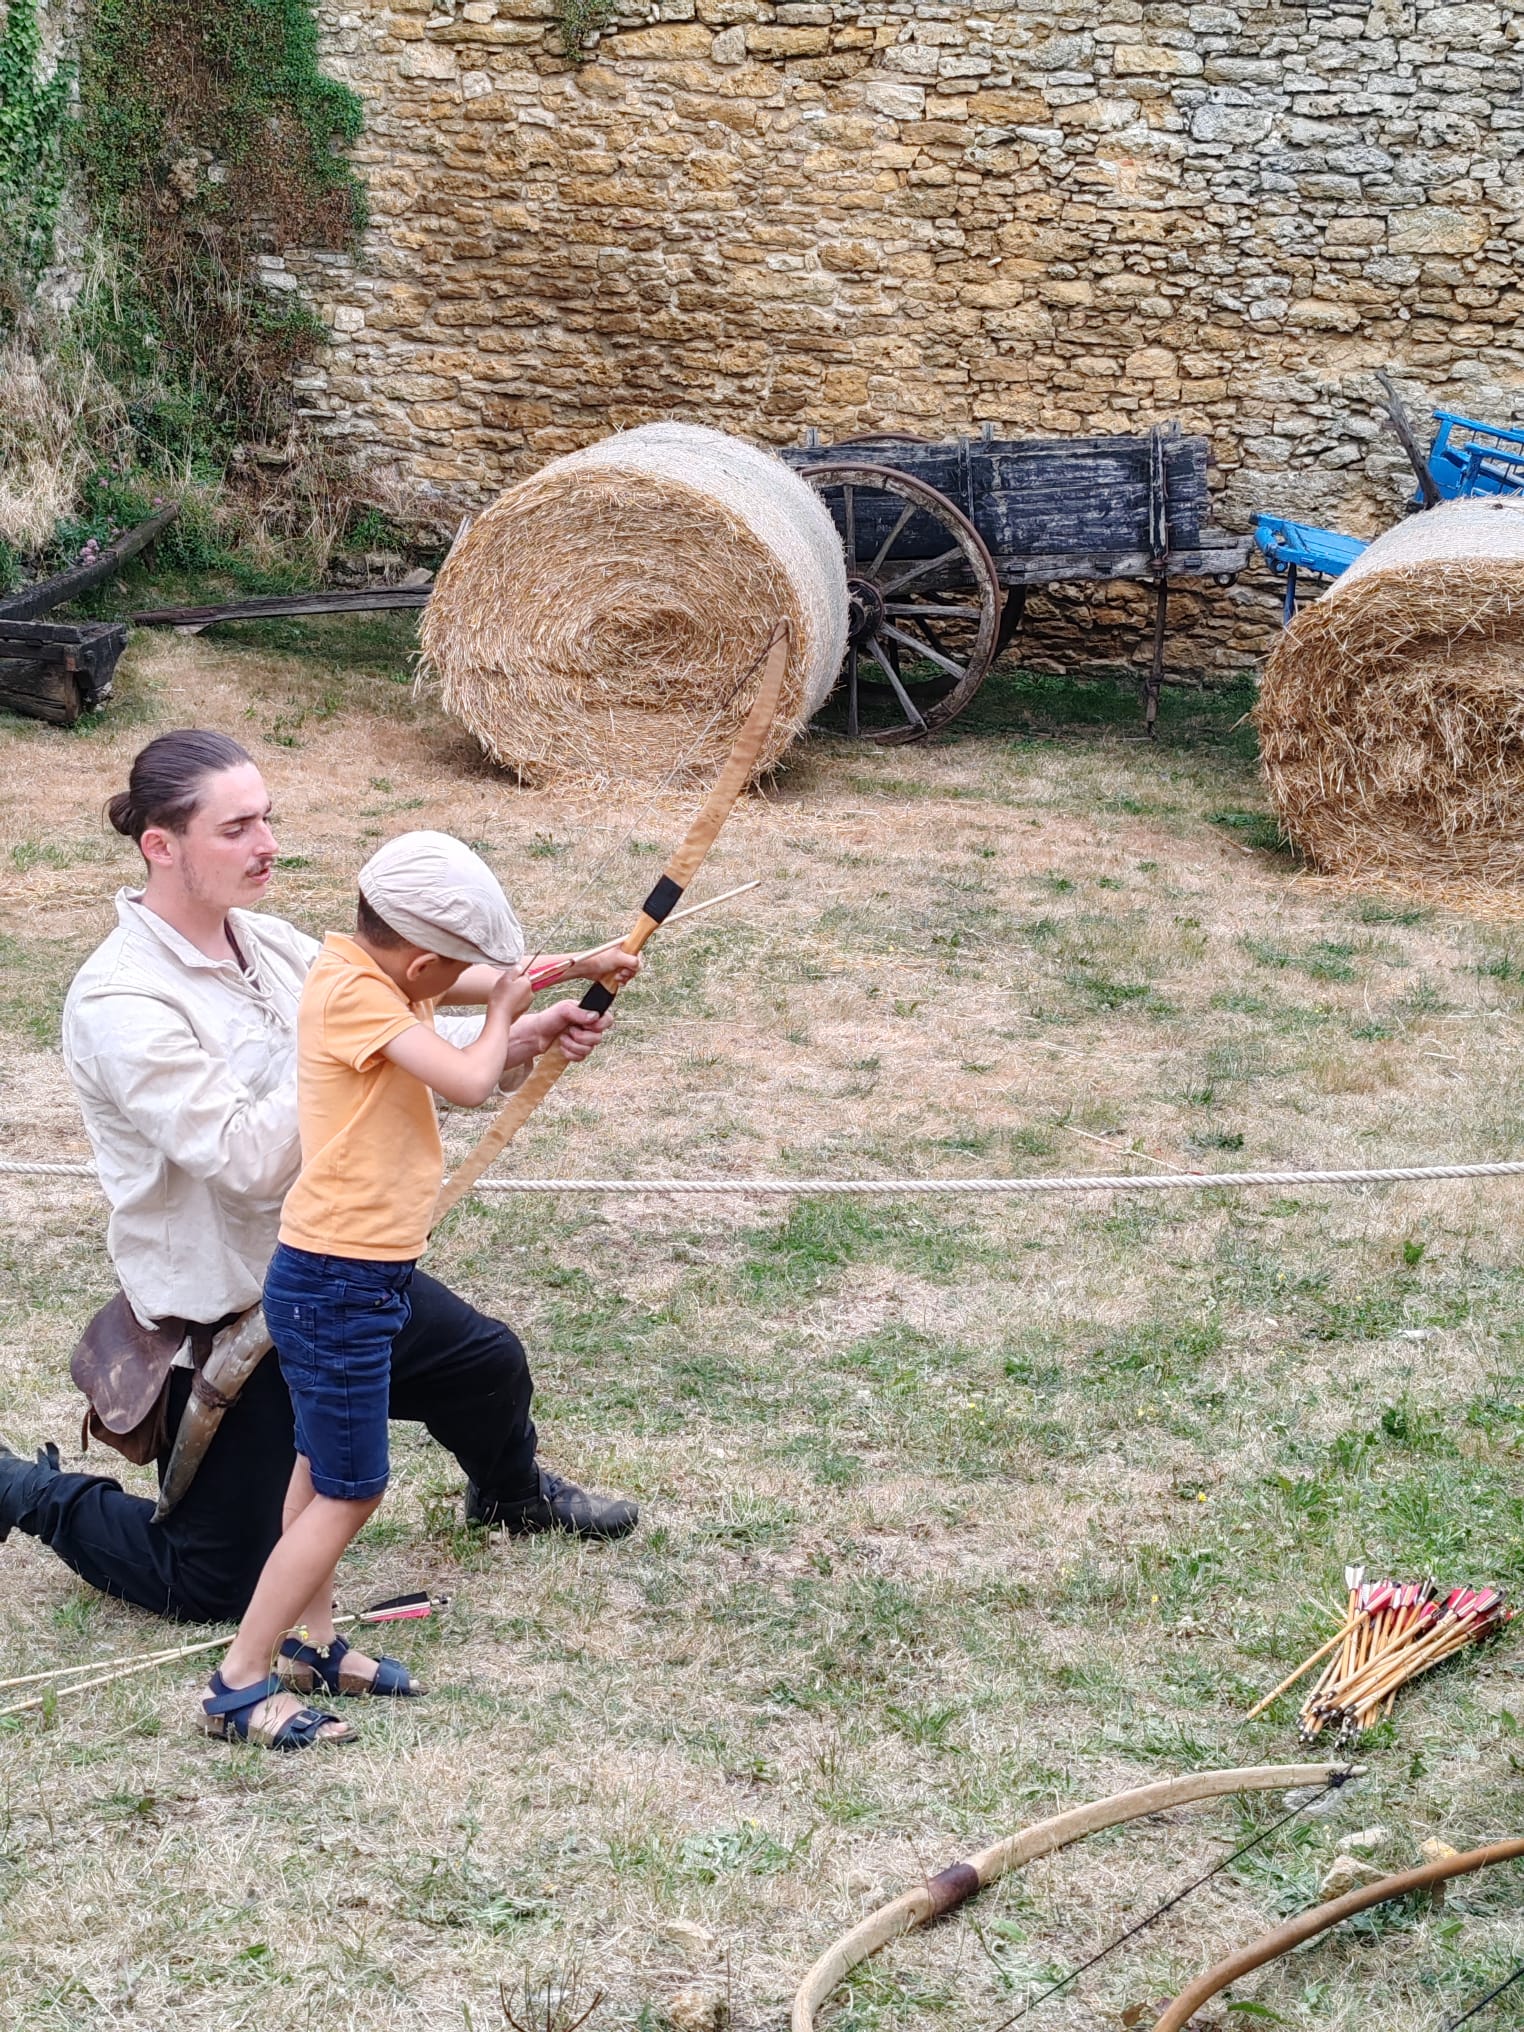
x=363, y=600
x=68, y=585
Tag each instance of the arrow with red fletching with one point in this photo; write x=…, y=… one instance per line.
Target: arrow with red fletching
x=84, y=1678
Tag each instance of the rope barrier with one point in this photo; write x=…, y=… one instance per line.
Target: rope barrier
x=812, y=1188
x=926, y=1188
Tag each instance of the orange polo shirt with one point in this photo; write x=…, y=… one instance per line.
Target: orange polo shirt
x=371, y=1155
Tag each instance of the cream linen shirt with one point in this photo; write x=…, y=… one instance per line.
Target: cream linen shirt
x=185, y=1068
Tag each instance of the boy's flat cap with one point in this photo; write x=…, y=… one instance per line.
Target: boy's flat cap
x=434, y=892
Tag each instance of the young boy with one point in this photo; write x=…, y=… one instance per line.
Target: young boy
x=431, y=919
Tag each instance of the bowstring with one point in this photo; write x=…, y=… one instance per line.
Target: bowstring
x=1332, y=1784
x=607, y=859
x=1490, y=1998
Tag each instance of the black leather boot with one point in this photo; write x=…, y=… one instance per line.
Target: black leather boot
x=22, y=1482
x=557, y=1505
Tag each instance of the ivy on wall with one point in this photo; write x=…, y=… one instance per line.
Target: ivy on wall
x=579, y=19
x=34, y=124
x=208, y=135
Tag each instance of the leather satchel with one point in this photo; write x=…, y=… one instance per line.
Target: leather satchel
x=123, y=1369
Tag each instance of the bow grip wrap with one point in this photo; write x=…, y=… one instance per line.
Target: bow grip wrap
x=656, y=909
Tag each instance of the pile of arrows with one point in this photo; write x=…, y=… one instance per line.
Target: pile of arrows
x=1390, y=1633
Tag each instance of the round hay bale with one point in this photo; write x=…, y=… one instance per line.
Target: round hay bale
x=1391, y=719
x=606, y=619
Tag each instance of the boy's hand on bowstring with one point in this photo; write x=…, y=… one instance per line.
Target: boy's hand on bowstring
x=510, y=995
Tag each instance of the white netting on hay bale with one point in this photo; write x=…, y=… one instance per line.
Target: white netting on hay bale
x=1391, y=720
x=605, y=619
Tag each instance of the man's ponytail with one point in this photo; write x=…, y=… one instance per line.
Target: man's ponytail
x=165, y=782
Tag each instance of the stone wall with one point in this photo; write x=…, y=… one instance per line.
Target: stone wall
x=927, y=216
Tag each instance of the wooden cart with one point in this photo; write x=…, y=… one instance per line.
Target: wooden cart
x=944, y=541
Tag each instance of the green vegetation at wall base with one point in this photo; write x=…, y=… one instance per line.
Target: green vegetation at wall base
x=208, y=141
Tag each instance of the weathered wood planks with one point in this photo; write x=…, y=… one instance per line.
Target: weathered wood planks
x=55, y=670
x=1037, y=498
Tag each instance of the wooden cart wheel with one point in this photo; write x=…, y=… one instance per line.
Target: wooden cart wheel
x=925, y=600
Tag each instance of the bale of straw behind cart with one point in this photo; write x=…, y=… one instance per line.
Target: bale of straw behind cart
x=1391, y=720
x=604, y=620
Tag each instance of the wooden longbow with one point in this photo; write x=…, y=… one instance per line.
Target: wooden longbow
x=1308, y=1925
x=949, y=1888
x=658, y=906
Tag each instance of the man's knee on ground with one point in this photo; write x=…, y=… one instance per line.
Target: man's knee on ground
x=503, y=1353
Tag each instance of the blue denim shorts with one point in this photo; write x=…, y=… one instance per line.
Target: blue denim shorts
x=333, y=1321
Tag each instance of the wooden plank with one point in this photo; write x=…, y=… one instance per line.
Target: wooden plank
x=83, y=578
x=40, y=688
x=363, y=600
x=1053, y=569
x=59, y=634
x=1053, y=497
x=1400, y=425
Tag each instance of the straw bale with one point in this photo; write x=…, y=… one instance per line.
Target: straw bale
x=604, y=620
x=1391, y=719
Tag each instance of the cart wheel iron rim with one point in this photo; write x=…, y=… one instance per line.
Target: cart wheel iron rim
x=906, y=609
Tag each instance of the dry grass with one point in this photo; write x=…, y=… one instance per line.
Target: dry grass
x=50, y=414
x=951, y=1514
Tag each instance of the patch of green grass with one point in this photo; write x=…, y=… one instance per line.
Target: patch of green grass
x=820, y=1238
x=34, y=978
x=1371, y=1494
x=747, y=1849
x=1322, y=959
x=1218, y=1139
x=1157, y=1353
x=1381, y=910
x=1257, y=829
x=1044, y=705
x=1102, y=990
x=28, y=854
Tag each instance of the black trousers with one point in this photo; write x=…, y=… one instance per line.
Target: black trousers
x=460, y=1374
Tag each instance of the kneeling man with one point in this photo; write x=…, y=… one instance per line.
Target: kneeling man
x=180, y=1038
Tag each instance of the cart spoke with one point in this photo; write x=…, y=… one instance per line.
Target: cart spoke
x=906, y=515
x=900, y=692
x=849, y=517
x=853, y=726
x=922, y=648
x=918, y=571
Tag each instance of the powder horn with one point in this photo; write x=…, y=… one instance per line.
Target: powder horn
x=235, y=1354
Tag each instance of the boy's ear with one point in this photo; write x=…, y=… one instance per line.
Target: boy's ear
x=417, y=965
